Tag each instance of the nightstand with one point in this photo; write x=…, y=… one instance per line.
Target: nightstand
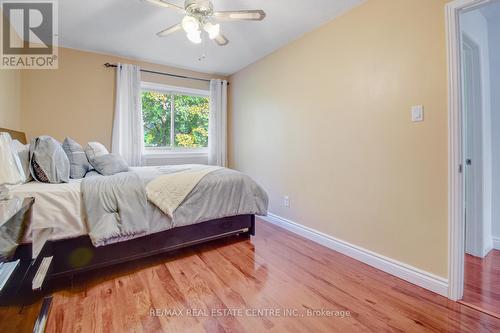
x=21, y=276
x=27, y=275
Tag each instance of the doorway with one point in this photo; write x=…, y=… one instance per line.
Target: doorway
x=474, y=31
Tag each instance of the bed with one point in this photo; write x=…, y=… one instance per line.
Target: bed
x=59, y=221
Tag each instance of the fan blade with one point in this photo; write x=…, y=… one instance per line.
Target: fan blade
x=170, y=30
x=246, y=15
x=221, y=40
x=165, y=4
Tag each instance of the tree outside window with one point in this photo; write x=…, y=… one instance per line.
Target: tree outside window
x=173, y=120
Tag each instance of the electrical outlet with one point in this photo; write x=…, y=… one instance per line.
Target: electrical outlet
x=286, y=201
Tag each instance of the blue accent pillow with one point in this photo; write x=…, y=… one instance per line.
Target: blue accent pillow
x=79, y=164
x=110, y=164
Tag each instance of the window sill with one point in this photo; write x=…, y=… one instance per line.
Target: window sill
x=152, y=154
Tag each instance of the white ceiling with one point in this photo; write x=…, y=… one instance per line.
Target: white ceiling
x=491, y=10
x=128, y=28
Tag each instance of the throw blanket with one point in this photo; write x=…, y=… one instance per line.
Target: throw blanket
x=116, y=206
x=167, y=192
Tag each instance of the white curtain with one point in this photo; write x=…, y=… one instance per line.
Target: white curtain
x=128, y=138
x=217, y=126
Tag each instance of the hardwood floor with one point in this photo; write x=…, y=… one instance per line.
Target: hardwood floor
x=482, y=282
x=273, y=271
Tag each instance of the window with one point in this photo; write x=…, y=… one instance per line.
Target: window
x=175, y=118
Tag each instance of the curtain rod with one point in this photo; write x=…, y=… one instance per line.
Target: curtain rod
x=163, y=73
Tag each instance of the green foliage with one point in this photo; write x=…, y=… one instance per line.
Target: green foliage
x=191, y=115
x=191, y=119
x=156, y=118
x=184, y=140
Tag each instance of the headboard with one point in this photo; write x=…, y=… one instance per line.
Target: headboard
x=15, y=135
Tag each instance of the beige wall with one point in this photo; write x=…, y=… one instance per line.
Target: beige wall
x=78, y=99
x=10, y=99
x=326, y=120
x=10, y=95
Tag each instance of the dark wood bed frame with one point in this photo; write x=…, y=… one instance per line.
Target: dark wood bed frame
x=77, y=255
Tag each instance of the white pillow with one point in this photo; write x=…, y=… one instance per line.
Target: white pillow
x=10, y=165
x=95, y=149
x=23, y=151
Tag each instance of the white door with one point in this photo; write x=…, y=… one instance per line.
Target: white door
x=473, y=148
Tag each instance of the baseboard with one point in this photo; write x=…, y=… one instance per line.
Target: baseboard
x=401, y=270
x=496, y=243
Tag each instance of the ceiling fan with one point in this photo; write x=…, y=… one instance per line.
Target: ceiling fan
x=200, y=14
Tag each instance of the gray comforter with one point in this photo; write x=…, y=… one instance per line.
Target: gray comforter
x=117, y=207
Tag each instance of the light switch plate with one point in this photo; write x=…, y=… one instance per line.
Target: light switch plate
x=417, y=113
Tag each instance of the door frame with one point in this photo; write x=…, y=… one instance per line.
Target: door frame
x=456, y=207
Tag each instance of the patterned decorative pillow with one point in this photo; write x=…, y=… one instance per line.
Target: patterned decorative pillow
x=79, y=164
x=48, y=161
x=40, y=175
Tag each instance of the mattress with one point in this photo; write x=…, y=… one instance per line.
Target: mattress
x=58, y=212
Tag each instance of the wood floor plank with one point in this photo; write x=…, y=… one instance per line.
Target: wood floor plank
x=199, y=294
x=248, y=288
x=19, y=319
x=275, y=270
x=226, y=291
x=286, y=278
x=165, y=294
x=482, y=282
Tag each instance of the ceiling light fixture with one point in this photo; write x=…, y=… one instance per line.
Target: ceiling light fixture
x=199, y=13
x=213, y=30
x=190, y=24
x=194, y=36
